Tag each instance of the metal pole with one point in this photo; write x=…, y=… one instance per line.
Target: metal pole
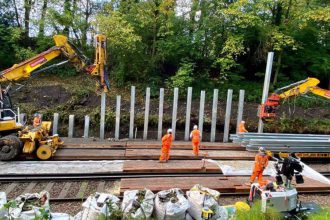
x=18, y=115
x=188, y=113
x=201, y=113
x=117, y=128
x=160, y=114
x=227, y=117
x=86, y=128
x=240, y=108
x=175, y=108
x=266, y=86
x=71, y=126
x=55, y=123
x=102, y=120
x=146, y=115
x=131, y=118
x=214, y=114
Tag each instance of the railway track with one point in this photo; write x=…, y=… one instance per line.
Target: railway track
x=77, y=187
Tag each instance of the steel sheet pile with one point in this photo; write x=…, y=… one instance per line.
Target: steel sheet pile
x=279, y=142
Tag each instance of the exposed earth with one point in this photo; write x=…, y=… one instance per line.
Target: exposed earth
x=76, y=95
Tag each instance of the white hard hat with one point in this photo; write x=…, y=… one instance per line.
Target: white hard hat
x=261, y=149
x=195, y=127
x=243, y=122
x=169, y=130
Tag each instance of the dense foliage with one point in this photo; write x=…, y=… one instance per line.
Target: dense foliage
x=204, y=44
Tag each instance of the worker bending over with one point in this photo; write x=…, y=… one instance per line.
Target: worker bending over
x=260, y=163
x=195, y=137
x=241, y=128
x=166, y=145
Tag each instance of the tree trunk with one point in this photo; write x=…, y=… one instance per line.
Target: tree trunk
x=27, y=8
x=88, y=12
x=67, y=9
x=278, y=67
x=42, y=20
x=16, y=14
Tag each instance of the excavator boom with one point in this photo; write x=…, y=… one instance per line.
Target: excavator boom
x=73, y=55
x=267, y=111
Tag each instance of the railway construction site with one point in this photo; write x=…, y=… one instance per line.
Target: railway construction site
x=82, y=167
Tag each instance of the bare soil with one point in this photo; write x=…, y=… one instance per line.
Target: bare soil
x=76, y=96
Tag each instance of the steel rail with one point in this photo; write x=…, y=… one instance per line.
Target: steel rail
x=113, y=176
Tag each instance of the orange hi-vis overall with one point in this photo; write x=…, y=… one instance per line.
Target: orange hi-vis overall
x=260, y=163
x=195, y=140
x=241, y=128
x=166, y=145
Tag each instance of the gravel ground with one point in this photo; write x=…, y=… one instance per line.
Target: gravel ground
x=56, y=189
x=3, y=186
x=74, y=189
x=91, y=188
x=71, y=208
x=17, y=191
x=39, y=187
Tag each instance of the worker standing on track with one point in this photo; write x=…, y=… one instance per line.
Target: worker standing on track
x=260, y=163
x=195, y=137
x=241, y=128
x=166, y=145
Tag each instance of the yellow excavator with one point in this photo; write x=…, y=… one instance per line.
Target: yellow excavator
x=267, y=111
x=15, y=138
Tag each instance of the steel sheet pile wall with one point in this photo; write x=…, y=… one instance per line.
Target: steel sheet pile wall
x=277, y=142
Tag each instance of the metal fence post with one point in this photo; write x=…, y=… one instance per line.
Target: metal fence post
x=117, y=128
x=55, y=123
x=86, y=127
x=131, y=118
x=175, y=108
x=227, y=117
x=160, y=114
x=102, y=119
x=188, y=113
x=201, y=113
x=214, y=114
x=146, y=115
x=266, y=86
x=71, y=126
x=240, y=108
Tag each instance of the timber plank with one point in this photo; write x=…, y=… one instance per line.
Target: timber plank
x=187, y=154
x=177, y=166
x=90, y=143
x=184, y=145
x=222, y=184
x=89, y=154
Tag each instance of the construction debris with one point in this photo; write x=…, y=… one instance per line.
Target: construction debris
x=171, y=205
x=138, y=204
x=99, y=205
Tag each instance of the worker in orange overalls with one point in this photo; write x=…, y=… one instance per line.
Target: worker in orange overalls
x=260, y=163
x=36, y=120
x=241, y=128
x=195, y=137
x=166, y=145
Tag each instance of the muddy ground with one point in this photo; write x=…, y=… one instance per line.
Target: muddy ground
x=76, y=95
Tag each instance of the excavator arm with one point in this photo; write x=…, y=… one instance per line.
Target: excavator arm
x=267, y=111
x=73, y=55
